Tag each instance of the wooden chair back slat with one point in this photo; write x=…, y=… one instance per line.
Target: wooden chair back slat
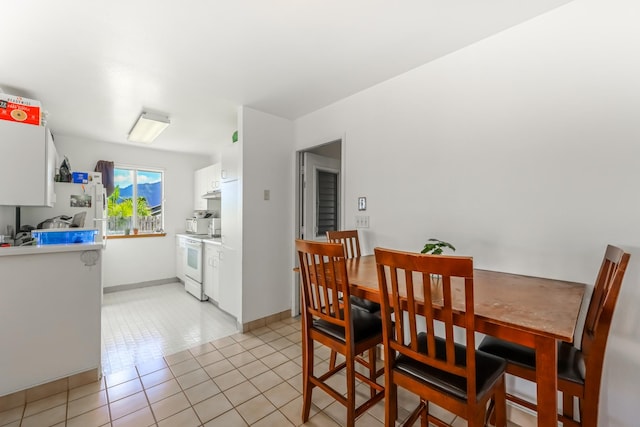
x=411, y=309
x=324, y=279
x=598, y=324
x=349, y=240
x=606, y=287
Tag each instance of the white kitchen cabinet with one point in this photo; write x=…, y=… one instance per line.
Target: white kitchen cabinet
x=205, y=180
x=216, y=274
x=210, y=273
x=29, y=164
x=231, y=214
x=230, y=164
x=214, y=182
x=180, y=254
x=230, y=281
x=231, y=250
x=199, y=188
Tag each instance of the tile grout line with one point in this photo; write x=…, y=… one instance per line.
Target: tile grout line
x=146, y=396
x=238, y=339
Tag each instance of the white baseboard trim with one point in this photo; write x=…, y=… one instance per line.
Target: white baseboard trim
x=146, y=284
x=523, y=417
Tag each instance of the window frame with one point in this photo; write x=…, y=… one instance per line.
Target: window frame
x=134, y=218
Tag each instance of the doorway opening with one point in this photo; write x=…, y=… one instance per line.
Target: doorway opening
x=319, y=197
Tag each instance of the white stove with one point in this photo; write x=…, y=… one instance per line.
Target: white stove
x=193, y=266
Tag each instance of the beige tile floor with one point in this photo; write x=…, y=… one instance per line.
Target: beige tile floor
x=239, y=380
x=144, y=324
x=244, y=379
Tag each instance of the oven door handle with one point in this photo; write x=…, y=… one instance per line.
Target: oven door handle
x=194, y=244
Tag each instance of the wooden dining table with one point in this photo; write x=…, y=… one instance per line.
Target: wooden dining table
x=531, y=311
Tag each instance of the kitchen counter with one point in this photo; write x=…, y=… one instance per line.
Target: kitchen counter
x=45, y=249
x=202, y=237
x=213, y=240
x=50, y=313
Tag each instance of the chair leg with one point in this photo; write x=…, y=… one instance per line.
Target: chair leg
x=332, y=360
x=390, y=402
x=422, y=412
x=424, y=417
x=491, y=412
x=351, y=391
x=372, y=369
x=476, y=420
x=307, y=372
x=500, y=400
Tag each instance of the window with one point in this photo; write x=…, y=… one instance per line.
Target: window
x=327, y=202
x=136, y=203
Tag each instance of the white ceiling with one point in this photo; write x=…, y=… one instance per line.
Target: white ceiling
x=96, y=65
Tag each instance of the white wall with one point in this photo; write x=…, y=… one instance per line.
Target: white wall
x=7, y=217
x=267, y=164
x=128, y=261
x=522, y=150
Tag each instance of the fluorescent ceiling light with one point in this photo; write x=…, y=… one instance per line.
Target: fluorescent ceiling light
x=148, y=127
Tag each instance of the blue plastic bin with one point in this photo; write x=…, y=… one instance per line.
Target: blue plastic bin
x=63, y=236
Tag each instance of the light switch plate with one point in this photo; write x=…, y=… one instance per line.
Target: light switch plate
x=362, y=221
x=267, y=194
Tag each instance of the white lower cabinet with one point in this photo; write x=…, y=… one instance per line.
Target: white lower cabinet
x=229, y=283
x=180, y=254
x=211, y=271
x=216, y=275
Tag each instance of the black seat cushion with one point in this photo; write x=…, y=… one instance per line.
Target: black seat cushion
x=570, y=360
x=365, y=325
x=364, y=304
x=488, y=369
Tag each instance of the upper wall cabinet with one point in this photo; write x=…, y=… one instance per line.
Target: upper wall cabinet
x=230, y=165
x=29, y=162
x=199, y=188
x=214, y=178
x=206, y=182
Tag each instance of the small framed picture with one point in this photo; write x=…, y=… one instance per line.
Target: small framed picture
x=80, y=201
x=362, y=203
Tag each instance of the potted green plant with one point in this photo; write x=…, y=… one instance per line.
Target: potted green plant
x=436, y=247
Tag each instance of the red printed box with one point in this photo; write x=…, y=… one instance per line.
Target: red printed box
x=19, y=109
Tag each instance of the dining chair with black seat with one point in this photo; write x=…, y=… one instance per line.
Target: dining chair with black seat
x=328, y=321
x=351, y=244
x=579, y=370
x=453, y=376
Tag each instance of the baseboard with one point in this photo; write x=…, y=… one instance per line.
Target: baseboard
x=139, y=285
x=259, y=323
x=523, y=417
x=22, y=397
